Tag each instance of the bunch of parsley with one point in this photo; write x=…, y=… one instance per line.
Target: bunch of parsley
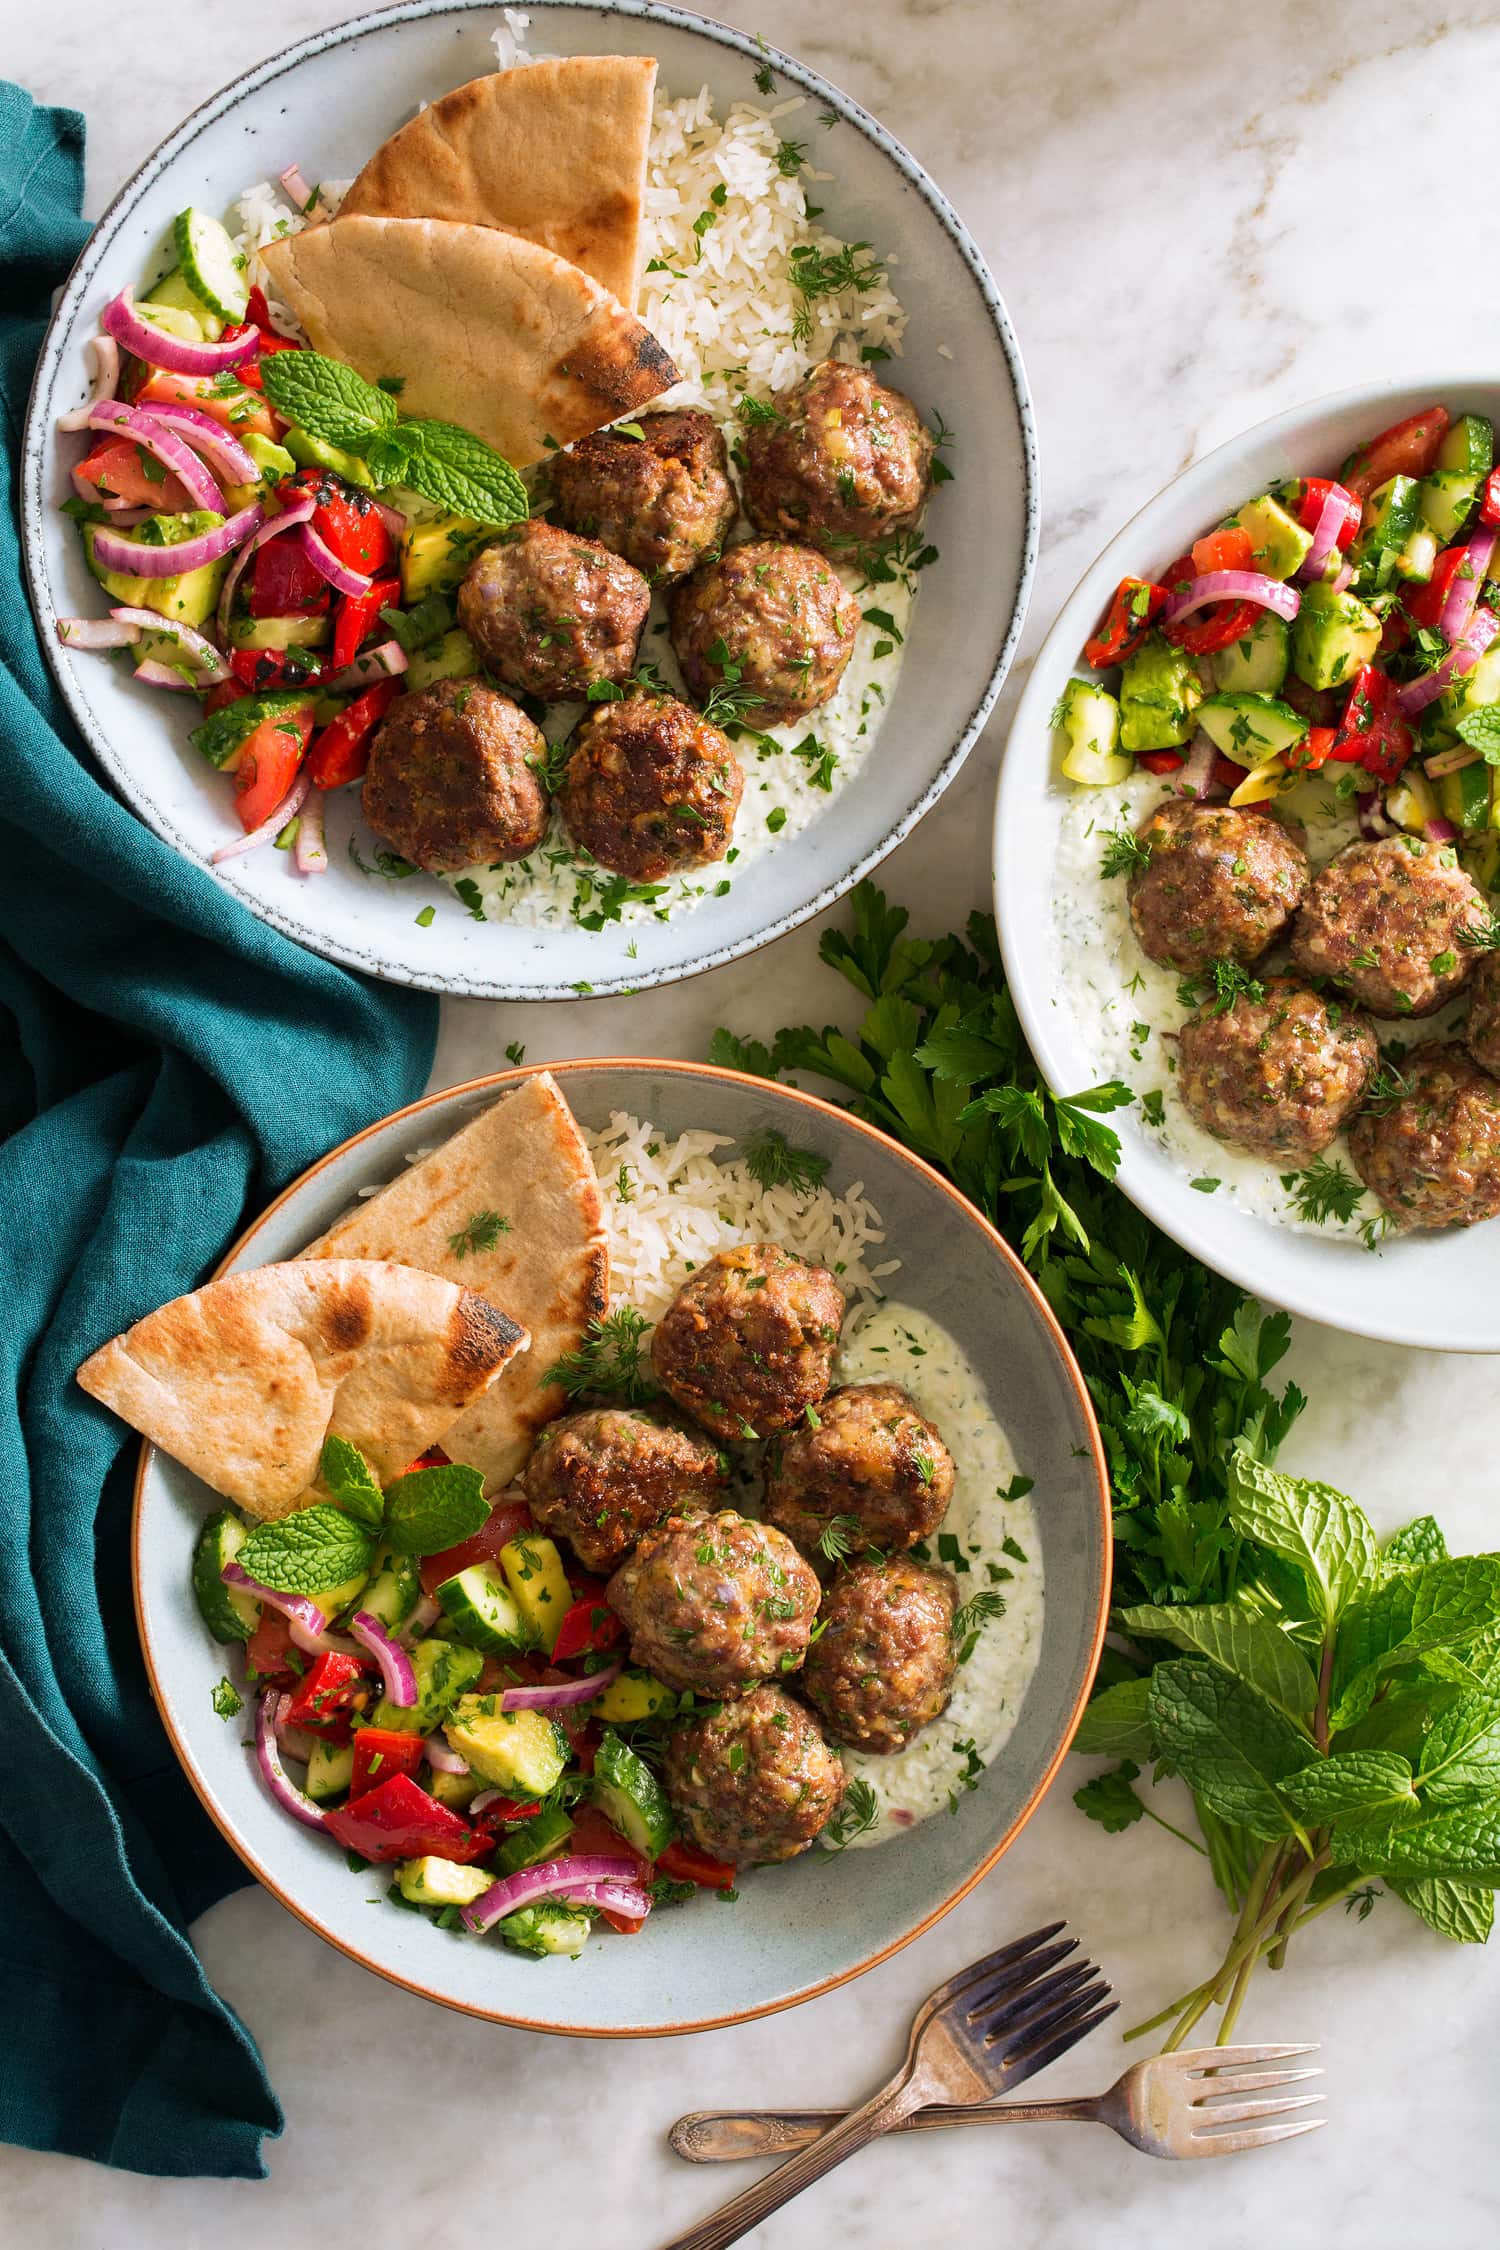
x=1333, y=1706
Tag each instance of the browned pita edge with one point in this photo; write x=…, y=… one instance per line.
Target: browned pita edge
x=525, y=1158
x=540, y=356
x=555, y=151
x=243, y=1380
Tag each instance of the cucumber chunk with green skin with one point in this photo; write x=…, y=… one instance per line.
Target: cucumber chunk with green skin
x=444, y=1671
x=1392, y=515
x=211, y=266
x=632, y=1697
x=521, y=1752
x=534, y=1572
x=1469, y=446
x=1279, y=545
x=1448, y=498
x=544, y=1836
x=1465, y=796
x=631, y=1798
x=451, y=658
x=226, y=730
x=174, y=292
x=546, y=1930
x=1250, y=728
x=1090, y=718
x=1256, y=663
x=1334, y=634
x=1159, y=692
x=1417, y=558
x=441, y=1882
x=479, y=1609
x=330, y=1769
x=229, y=1616
x=393, y=1591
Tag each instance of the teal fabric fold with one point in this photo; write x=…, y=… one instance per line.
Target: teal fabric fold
x=167, y=1064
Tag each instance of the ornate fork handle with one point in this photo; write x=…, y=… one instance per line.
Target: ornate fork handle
x=718, y=2136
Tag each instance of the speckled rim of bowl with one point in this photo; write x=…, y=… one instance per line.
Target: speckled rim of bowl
x=1051, y=1328
x=37, y=437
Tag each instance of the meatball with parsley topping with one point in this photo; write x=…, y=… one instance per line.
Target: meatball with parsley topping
x=769, y=623
x=747, y=1343
x=713, y=1603
x=552, y=615
x=1212, y=884
x=882, y=1667
x=1432, y=1154
x=754, y=1781
x=863, y=1460
x=1388, y=921
x=452, y=778
x=656, y=491
x=838, y=460
x=651, y=789
x=601, y=1478
x=1278, y=1071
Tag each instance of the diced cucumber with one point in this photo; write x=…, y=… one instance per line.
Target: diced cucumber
x=1412, y=802
x=1256, y=663
x=441, y=1882
x=451, y=658
x=317, y=453
x=544, y=1836
x=211, y=266
x=280, y=632
x=1469, y=446
x=1448, y=498
x=1250, y=728
x=546, y=1929
x=444, y=1671
x=1334, y=634
x=1416, y=559
x=630, y=1698
x=330, y=1769
x=173, y=291
x=480, y=1610
x=1090, y=718
x=522, y=1752
x=1279, y=544
x=1464, y=797
x=1159, y=692
x=394, y=1591
x=631, y=1798
x=534, y=1572
x=1390, y=518
x=229, y=1616
x=224, y=732
x=455, y=1790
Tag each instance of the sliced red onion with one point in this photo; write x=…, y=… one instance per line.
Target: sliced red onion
x=550, y=1880
x=340, y=577
x=104, y=380
x=297, y=1609
x=392, y=518
x=155, y=674
x=397, y=1676
x=312, y=851
x=295, y=511
x=615, y=1898
x=1450, y=761
x=97, y=632
x=421, y=1620
x=1331, y=519
x=121, y=320
x=559, y=1698
x=382, y=663
x=1344, y=580
x=210, y=438
x=295, y=1742
x=1464, y=590
x=268, y=1758
x=1440, y=831
x=1461, y=658
x=268, y=830
x=1235, y=586
x=202, y=652
x=1194, y=778
x=164, y=444
x=1374, y=821
x=308, y=200
x=442, y=1759
x=137, y=560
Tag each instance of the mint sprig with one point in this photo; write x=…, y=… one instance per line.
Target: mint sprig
x=324, y=1546
x=310, y=1552
x=326, y=399
x=430, y=1509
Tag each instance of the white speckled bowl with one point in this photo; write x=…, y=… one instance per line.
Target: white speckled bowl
x=1437, y=1290
x=797, y=1929
x=326, y=104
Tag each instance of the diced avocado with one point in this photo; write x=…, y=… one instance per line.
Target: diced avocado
x=317, y=453
x=1278, y=542
x=1464, y=797
x=1470, y=690
x=631, y=1798
x=1469, y=446
x=1412, y=802
x=393, y=1590
x=274, y=463
x=455, y=1790
x=1256, y=663
x=1333, y=636
x=451, y=658
x=228, y=1615
x=1390, y=518
x=1250, y=728
x=190, y=599
x=174, y=292
x=435, y=556
x=480, y=1610
x=1448, y=498
x=534, y=1572
x=1090, y=718
x=1159, y=692
x=330, y=1769
x=280, y=632
x=441, y=1882
x=546, y=1929
x=522, y=1752
x=444, y=1671
x=630, y=1698
x=544, y=1836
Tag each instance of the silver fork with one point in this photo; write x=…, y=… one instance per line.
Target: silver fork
x=1177, y=2105
x=989, y=2027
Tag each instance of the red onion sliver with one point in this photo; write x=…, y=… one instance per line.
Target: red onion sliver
x=296, y=1608
x=560, y=1697
x=443, y=1760
x=268, y=830
x=1464, y=588
x=1461, y=658
x=192, y=643
x=104, y=380
x=97, y=632
x=421, y=1620
x=296, y=511
x=1195, y=776
x=311, y=850
x=392, y=518
x=1374, y=821
x=340, y=577
x=273, y=1772
x=210, y=438
x=295, y=1742
x=169, y=449
x=549, y=1880
x=121, y=320
x=1331, y=519
x=397, y=1676
x=154, y=674
x=1441, y=832
x=1237, y=586
x=1344, y=580
x=307, y=200
x=382, y=663
x=617, y=1898
x=137, y=560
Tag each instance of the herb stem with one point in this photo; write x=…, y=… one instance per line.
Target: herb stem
x=1325, y=1690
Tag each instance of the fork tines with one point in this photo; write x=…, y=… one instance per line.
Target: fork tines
x=1219, y=2074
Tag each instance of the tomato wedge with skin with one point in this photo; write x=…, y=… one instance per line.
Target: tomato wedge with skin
x=119, y=469
x=589, y=1624
x=1373, y=731
x=1406, y=449
x=508, y=1519
x=398, y=1820
x=379, y=1754
x=238, y=410
x=685, y=1863
x=1229, y=549
x=268, y=763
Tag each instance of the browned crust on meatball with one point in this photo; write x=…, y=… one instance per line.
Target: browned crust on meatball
x=449, y=783
x=663, y=500
x=1432, y=1156
x=1279, y=1075
x=602, y=1478
x=753, y=1781
x=1220, y=884
x=882, y=1667
x=1482, y=1031
x=780, y=614
x=651, y=789
x=551, y=614
x=747, y=1343
x=846, y=460
x=1386, y=920
x=715, y=1602
x=865, y=1453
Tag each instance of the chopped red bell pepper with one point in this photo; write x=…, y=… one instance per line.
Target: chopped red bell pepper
x=506, y=1522
x=1134, y=607
x=268, y=762
x=1221, y=624
x=1314, y=750
x=398, y=1820
x=381, y=1752
x=504, y=1811
x=347, y=520
x=342, y=750
x=1230, y=548
x=686, y=1864
x=589, y=1624
x=285, y=583
x=1159, y=761
x=337, y=1688
x=357, y=617
x=1425, y=603
x=1407, y=449
x=1315, y=491
x=1226, y=774
x=262, y=668
x=1372, y=731
x=271, y=1653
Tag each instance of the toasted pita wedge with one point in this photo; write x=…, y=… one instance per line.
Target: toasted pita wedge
x=555, y=151
x=480, y=328
x=243, y=1380
x=524, y=1161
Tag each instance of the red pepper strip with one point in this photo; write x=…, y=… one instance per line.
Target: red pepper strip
x=342, y=749
x=400, y=1821
x=335, y=1691
x=1314, y=750
x=357, y=617
x=1372, y=732
x=1134, y=607
x=1408, y=449
x=589, y=1624
x=284, y=583
x=347, y=520
x=507, y=1521
x=380, y=1753
x=1159, y=761
x=1489, y=498
x=261, y=668
x=1315, y=491
x=1207, y=630
x=1425, y=602
x=686, y=1864
x=508, y=1809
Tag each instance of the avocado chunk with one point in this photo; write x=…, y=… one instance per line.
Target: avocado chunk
x=522, y=1752
x=632, y=1697
x=316, y=453
x=444, y=1672
x=436, y=555
x=1159, y=693
x=1334, y=634
x=190, y=599
x=534, y=1572
x=441, y=1882
x=1279, y=544
x=451, y=658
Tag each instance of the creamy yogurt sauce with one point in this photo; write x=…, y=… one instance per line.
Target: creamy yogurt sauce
x=991, y=1545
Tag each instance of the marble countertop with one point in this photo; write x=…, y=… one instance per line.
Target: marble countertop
x=1199, y=215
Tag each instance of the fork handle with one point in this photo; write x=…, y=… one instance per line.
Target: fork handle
x=719, y=2136
x=882, y=2113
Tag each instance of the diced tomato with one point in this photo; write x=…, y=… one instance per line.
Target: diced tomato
x=1315, y=491
x=268, y=762
x=227, y=401
x=1373, y=732
x=593, y=1833
x=342, y=750
x=1160, y=761
x=358, y=617
x=505, y=1810
x=1314, y=750
x=507, y=1520
x=1406, y=449
x=380, y=1753
x=1229, y=549
x=336, y=1689
x=1226, y=774
x=120, y=469
x=270, y=1650
x=227, y=691
x=398, y=1820
x=1134, y=607
x=263, y=668
x=347, y=520
x=686, y=1864
x=285, y=582
x=589, y=1624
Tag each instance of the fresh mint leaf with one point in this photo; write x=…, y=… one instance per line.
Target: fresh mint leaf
x=1110, y=1798
x=459, y=471
x=1481, y=731
x=1258, y=1651
x=352, y=1482
x=1420, y=1542
x=311, y=1551
x=1116, y=1722
x=1464, y=1912
x=1460, y=1840
x=326, y=399
x=1231, y=1747
x=429, y=1509
x=1310, y=1525
x=1406, y=1618
x=1351, y=1781
x=1460, y=1755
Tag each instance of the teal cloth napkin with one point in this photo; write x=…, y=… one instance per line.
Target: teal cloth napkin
x=167, y=1063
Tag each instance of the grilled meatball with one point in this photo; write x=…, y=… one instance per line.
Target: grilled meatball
x=450, y=782
x=1387, y=921
x=844, y=462
x=602, y=1477
x=651, y=789
x=747, y=1343
x=663, y=500
x=1433, y=1155
x=551, y=614
x=1278, y=1076
x=777, y=616
x=883, y=1665
x=867, y=1455
x=754, y=1780
x=1220, y=885
x=715, y=1603
x=1482, y=1032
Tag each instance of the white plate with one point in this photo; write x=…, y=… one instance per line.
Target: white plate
x=325, y=105
x=1436, y=1291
